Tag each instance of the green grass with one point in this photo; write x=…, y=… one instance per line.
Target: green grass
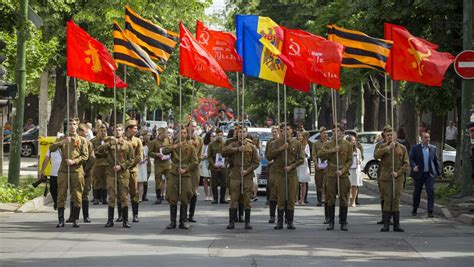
x=21, y=194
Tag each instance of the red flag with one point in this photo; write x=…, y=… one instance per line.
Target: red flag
x=196, y=63
x=414, y=59
x=221, y=45
x=314, y=57
x=87, y=58
x=118, y=83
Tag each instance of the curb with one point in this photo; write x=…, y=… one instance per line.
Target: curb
x=9, y=207
x=466, y=218
x=34, y=204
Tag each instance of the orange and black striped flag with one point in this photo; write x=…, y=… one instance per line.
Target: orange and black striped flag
x=129, y=53
x=156, y=41
x=361, y=50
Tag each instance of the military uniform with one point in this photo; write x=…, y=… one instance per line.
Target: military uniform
x=77, y=151
x=137, y=157
x=188, y=160
x=218, y=174
x=271, y=182
x=229, y=166
x=99, y=172
x=162, y=165
x=118, y=182
x=87, y=181
x=401, y=165
x=287, y=182
x=250, y=163
x=319, y=173
x=378, y=182
x=198, y=144
x=331, y=184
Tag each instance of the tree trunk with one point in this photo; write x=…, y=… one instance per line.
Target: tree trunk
x=324, y=115
x=409, y=121
x=59, y=110
x=372, y=101
x=437, y=134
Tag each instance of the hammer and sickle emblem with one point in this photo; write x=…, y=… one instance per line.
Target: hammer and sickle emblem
x=204, y=38
x=185, y=43
x=294, y=48
x=94, y=57
x=418, y=55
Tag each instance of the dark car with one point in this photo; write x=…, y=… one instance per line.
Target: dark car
x=29, y=142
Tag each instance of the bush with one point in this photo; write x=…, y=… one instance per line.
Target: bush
x=444, y=192
x=21, y=194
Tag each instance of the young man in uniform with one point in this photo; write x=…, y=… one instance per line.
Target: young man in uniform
x=339, y=157
x=99, y=170
x=217, y=166
x=395, y=163
x=120, y=156
x=320, y=170
x=162, y=162
x=198, y=144
x=272, y=176
x=287, y=155
x=184, y=161
x=131, y=129
x=82, y=131
x=74, y=153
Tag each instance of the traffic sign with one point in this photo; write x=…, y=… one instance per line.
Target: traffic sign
x=464, y=64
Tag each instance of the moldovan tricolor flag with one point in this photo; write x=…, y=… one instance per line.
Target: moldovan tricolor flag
x=88, y=59
x=221, y=45
x=196, y=63
x=415, y=59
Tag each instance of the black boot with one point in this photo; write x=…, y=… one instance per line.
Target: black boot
x=145, y=191
x=396, y=222
x=223, y=201
x=326, y=213
x=110, y=218
x=232, y=217
x=214, y=195
x=241, y=212
x=279, y=220
x=247, y=219
x=319, y=197
x=343, y=217
x=85, y=211
x=381, y=221
x=192, y=208
x=75, y=223
x=173, y=213
x=125, y=217
x=386, y=221
x=158, y=196
x=60, y=218
x=272, y=211
x=331, y=211
x=53, y=189
x=290, y=217
x=120, y=212
x=97, y=196
x=104, y=196
x=135, y=212
x=183, y=224
x=71, y=213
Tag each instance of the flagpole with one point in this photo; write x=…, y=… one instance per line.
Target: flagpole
x=124, y=92
x=116, y=141
x=75, y=96
x=278, y=106
x=242, y=131
x=238, y=95
x=180, y=129
x=67, y=136
x=386, y=99
x=334, y=118
x=393, y=150
x=286, y=142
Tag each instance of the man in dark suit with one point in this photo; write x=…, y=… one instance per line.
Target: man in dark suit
x=424, y=169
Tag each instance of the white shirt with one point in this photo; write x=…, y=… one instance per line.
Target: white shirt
x=55, y=158
x=451, y=133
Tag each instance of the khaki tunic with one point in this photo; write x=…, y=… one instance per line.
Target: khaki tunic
x=137, y=157
x=272, y=173
x=218, y=175
x=319, y=175
x=345, y=162
x=99, y=170
x=386, y=180
x=162, y=167
x=198, y=144
x=76, y=150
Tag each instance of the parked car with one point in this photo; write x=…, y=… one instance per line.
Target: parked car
x=29, y=142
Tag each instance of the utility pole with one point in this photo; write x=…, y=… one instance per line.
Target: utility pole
x=360, y=108
x=20, y=78
x=466, y=105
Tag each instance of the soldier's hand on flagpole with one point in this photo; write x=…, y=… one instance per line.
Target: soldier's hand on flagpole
x=66, y=140
x=392, y=145
x=117, y=168
x=113, y=141
x=182, y=171
x=335, y=149
x=338, y=173
x=285, y=146
x=243, y=172
x=394, y=174
x=288, y=168
x=70, y=162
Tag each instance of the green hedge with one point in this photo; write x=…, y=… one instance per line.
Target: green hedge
x=21, y=194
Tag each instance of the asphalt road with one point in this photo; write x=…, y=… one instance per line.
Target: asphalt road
x=31, y=239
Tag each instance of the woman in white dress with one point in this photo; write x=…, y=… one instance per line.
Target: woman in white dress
x=142, y=168
x=355, y=173
x=204, y=170
x=302, y=171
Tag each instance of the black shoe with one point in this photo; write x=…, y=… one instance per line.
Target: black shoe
x=60, y=218
x=413, y=212
x=120, y=212
x=232, y=217
x=214, y=201
x=71, y=214
x=331, y=211
x=104, y=196
x=55, y=206
x=110, y=218
x=135, y=212
x=430, y=214
x=343, y=217
x=247, y=220
x=75, y=223
x=192, y=209
x=326, y=214
x=158, y=196
x=173, y=213
x=223, y=201
x=290, y=216
x=97, y=194
x=396, y=222
x=85, y=211
x=125, y=218
x=279, y=220
x=386, y=221
x=145, y=191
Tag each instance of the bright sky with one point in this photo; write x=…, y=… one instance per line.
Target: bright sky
x=217, y=5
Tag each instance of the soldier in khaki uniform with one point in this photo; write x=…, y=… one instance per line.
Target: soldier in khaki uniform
x=162, y=162
x=217, y=166
x=87, y=174
x=287, y=155
x=239, y=170
x=99, y=170
x=395, y=163
x=320, y=170
x=184, y=161
x=120, y=156
x=334, y=170
x=378, y=171
x=272, y=176
x=74, y=153
x=198, y=144
x=131, y=129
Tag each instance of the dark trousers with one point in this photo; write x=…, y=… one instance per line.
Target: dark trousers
x=53, y=188
x=429, y=182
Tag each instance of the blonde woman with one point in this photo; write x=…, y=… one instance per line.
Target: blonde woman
x=355, y=175
x=303, y=170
